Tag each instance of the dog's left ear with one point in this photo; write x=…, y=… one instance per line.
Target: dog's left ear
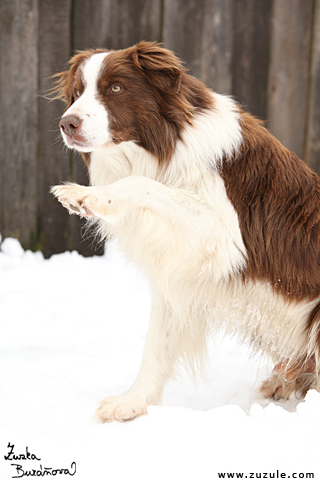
x=162, y=68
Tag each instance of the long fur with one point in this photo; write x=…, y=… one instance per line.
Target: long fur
x=224, y=220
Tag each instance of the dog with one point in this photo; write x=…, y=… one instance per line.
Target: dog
x=224, y=220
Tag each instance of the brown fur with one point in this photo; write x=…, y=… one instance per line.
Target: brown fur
x=277, y=199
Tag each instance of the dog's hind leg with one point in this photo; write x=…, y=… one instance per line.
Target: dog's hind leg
x=291, y=377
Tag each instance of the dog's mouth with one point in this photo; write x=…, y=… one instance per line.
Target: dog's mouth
x=79, y=142
x=76, y=140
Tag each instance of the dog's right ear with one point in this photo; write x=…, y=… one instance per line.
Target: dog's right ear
x=162, y=68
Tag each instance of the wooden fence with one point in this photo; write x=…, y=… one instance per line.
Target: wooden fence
x=266, y=53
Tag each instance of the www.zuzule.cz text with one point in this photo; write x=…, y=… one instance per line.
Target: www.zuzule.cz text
x=20, y=470
x=275, y=475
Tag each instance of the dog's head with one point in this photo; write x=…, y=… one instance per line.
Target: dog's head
x=116, y=96
x=139, y=94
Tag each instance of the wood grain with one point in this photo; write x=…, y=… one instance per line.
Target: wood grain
x=289, y=72
x=312, y=153
x=19, y=119
x=54, y=161
x=251, y=39
x=200, y=32
x=129, y=22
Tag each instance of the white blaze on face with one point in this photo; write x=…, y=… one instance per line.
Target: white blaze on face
x=94, y=128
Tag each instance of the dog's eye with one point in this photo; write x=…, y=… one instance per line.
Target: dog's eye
x=116, y=89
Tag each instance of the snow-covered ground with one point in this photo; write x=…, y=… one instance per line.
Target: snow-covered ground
x=72, y=333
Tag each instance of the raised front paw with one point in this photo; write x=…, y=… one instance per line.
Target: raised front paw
x=76, y=199
x=121, y=407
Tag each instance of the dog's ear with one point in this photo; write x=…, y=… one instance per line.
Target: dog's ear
x=162, y=68
x=63, y=81
x=60, y=89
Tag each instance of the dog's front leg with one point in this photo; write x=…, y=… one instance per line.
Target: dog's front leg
x=165, y=229
x=173, y=226
x=158, y=361
x=164, y=342
x=112, y=201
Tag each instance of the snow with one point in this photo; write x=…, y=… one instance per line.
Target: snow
x=73, y=331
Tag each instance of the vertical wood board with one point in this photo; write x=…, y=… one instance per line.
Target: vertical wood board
x=128, y=22
x=90, y=24
x=251, y=38
x=289, y=72
x=19, y=119
x=200, y=33
x=53, y=167
x=312, y=155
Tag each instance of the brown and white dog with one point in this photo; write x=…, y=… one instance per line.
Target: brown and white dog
x=222, y=217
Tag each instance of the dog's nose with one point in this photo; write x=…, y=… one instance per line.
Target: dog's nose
x=70, y=124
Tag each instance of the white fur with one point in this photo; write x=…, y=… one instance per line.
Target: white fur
x=95, y=122
x=181, y=228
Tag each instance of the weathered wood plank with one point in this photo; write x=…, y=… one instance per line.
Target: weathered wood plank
x=129, y=22
x=216, y=51
x=54, y=51
x=312, y=154
x=115, y=24
x=200, y=32
x=250, y=54
x=18, y=119
x=90, y=25
x=289, y=72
